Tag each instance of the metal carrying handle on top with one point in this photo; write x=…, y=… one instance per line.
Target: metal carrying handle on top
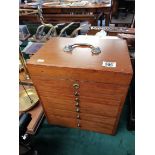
x=94, y=50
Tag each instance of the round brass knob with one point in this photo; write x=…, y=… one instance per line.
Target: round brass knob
x=78, y=125
x=77, y=99
x=77, y=109
x=77, y=104
x=78, y=116
x=76, y=85
x=76, y=93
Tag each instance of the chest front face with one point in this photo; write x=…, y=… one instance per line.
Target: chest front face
x=76, y=89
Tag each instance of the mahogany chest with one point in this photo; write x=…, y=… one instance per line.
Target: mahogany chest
x=79, y=87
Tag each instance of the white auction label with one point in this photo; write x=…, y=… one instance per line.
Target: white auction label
x=109, y=64
x=40, y=60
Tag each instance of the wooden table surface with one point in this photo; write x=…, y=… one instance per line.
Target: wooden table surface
x=76, y=12
x=89, y=5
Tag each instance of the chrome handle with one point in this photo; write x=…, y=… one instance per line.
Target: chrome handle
x=94, y=50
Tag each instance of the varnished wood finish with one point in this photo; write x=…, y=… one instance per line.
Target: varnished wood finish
x=81, y=58
x=85, y=107
x=87, y=125
x=65, y=88
x=80, y=74
x=111, y=31
x=60, y=18
x=23, y=80
x=83, y=116
x=102, y=90
x=36, y=112
x=53, y=8
x=57, y=14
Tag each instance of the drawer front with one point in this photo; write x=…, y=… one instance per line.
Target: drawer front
x=96, y=92
x=41, y=71
x=70, y=98
x=85, y=107
x=86, y=125
x=102, y=128
x=103, y=91
x=62, y=121
x=82, y=116
x=60, y=94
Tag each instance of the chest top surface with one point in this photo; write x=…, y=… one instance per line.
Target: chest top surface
x=112, y=50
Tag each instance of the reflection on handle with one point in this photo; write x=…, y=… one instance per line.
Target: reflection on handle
x=94, y=50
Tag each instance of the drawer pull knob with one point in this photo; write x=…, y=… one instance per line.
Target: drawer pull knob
x=78, y=124
x=76, y=85
x=77, y=109
x=76, y=94
x=77, y=104
x=77, y=99
x=78, y=116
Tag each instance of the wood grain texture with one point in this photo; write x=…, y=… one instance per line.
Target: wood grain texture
x=83, y=116
x=59, y=14
x=112, y=50
x=50, y=8
x=79, y=74
x=65, y=88
x=81, y=64
x=111, y=31
x=119, y=112
x=85, y=107
x=59, y=18
x=87, y=125
x=102, y=91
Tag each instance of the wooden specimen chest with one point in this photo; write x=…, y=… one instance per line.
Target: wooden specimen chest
x=80, y=89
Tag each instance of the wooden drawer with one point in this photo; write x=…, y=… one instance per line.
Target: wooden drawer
x=96, y=92
x=71, y=98
x=49, y=72
x=86, y=125
x=101, y=90
x=85, y=107
x=59, y=94
x=83, y=116
x=102, y=128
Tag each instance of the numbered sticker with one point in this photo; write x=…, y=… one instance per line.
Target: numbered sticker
x=40, y=60
x=109, y=64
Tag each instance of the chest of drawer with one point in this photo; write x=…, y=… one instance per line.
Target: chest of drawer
x=78, y=82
